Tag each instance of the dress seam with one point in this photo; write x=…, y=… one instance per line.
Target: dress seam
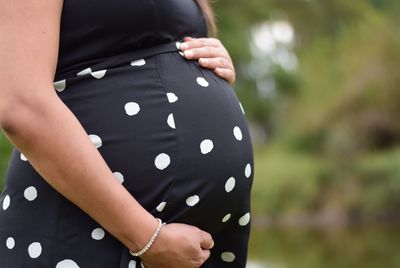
x=63, y=209
x=178, y=157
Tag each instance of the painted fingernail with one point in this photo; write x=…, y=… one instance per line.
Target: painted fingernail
x=188, y=54
x=178, y=45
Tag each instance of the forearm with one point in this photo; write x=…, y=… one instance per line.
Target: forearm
x=58, y=147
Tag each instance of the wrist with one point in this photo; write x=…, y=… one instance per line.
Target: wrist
x=141, y=232
x=149, y=243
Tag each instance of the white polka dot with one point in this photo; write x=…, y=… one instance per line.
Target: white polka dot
x=241, y=108
x=206, y=146
x=178, y=45
x=237, y=133
x=10, y=243
x=85, y=71
x=228, y=256
x=119, y=176
x=171, y=121
x=34, y=250
x=162, y=161
x=171, y=97
x=67, y=263
x=96, y=140
x=202, y=82
x=132, y=108
x=99, y=74
x=161, y=206
x=6, y=202
x=139, y=62
x=226, y=217
x=23, y=157
x=132, y=264
x=245, y=219
x=230, y=184
x=59, y=85
x=247, y=171
x=192, y=200
x=98, y=234
x=30, y=193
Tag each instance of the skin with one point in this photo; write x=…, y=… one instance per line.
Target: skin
x=36, y=121
x=211, y=54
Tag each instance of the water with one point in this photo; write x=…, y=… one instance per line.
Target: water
x=351, y=248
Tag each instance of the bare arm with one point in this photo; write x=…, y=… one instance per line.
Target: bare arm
x=36, y=121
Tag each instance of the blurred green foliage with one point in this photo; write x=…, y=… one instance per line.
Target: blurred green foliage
x=5, y=152
x=346, y=248
x=332, y=130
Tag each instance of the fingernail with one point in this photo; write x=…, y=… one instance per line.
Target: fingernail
x=188, y=53
x=212, y=245
x=203, y=61
x=184, y=46
x=178, y=45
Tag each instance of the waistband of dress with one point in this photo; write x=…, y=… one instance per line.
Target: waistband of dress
x=116, y=60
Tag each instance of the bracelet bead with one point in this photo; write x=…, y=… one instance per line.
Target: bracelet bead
x=148, y=245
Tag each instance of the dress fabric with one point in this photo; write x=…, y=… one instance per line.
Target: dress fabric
x=173, y=133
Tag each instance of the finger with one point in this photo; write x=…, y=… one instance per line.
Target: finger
x=200, y=42
x=206, y=241
x=202, y=258
x=212, y=63
x=226, y=74
x=205, y=52
x=205, y=254
x=187, y=38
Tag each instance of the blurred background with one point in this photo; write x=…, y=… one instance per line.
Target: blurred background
x=318, y=80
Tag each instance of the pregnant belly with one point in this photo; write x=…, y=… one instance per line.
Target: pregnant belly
x=173, y=133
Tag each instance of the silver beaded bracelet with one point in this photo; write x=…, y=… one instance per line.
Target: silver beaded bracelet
x=148, y=245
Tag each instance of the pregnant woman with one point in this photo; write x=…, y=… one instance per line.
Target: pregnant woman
x=118, y=129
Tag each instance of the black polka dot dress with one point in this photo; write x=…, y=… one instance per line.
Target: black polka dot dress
x=173, y=133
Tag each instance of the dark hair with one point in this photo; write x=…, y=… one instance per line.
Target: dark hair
x=209, y=16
